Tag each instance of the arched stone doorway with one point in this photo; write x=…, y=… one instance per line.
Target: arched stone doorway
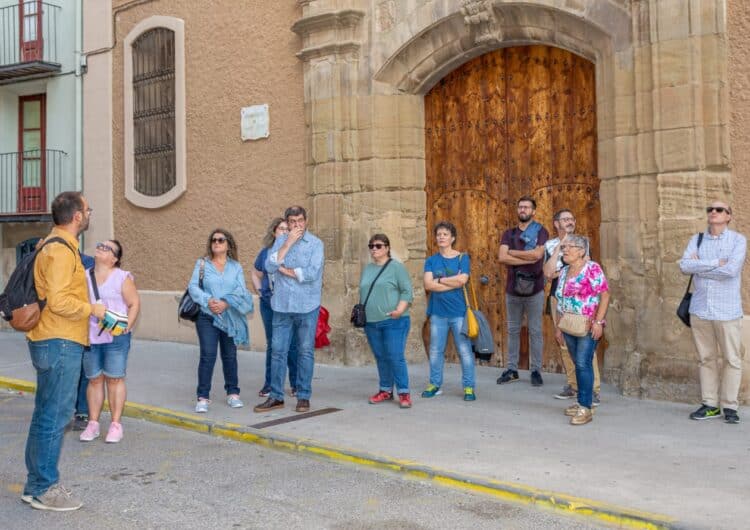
x=662, y=147
x=515, y=121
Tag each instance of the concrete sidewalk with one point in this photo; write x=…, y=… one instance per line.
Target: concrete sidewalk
x=643, y=455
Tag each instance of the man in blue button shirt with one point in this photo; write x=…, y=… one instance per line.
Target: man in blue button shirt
x=296, y=261
x=716, y=312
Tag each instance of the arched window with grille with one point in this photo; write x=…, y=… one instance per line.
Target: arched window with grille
x=154, y=82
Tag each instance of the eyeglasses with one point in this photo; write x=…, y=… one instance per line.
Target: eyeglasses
x=568, y=247
x=87, y=210
x=375, y=245
x=218, y=240
x=566, y=219
x=717, y=209
x=105, y=247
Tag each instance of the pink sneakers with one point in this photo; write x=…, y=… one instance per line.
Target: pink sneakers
x=114, y=434
x=91, y=432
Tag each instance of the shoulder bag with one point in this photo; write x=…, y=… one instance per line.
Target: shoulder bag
x=470, y=320
x=574, y=324
x=483, y=343
x=359, y=317
x=683, y=310
x=187, y=308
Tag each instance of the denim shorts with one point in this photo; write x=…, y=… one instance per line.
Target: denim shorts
x=109, y=359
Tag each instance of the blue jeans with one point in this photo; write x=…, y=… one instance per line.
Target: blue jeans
x=82, y=404
x=439, y=327
x=266, y=314
x=285, y=327
x=582, y=350
x=515, y=307
x=387, y=340
x=58, y=368
x=210, y=338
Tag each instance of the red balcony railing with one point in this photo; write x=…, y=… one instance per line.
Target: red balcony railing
x=29, y=180
x=29, y=39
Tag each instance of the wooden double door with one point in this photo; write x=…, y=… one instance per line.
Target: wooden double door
x=513, y=122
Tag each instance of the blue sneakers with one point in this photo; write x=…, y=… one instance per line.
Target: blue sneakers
x=431, y=391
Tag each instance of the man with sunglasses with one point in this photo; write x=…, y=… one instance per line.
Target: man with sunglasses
x=716, y=312
x=56, y=347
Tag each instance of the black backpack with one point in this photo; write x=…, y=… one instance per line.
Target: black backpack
x=19, y=303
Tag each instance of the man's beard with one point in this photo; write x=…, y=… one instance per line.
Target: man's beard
x=524, y=217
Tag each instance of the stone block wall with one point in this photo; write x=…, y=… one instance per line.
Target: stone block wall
x=663, y=128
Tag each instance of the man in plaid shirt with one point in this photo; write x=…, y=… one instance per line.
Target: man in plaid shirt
x=716, y=312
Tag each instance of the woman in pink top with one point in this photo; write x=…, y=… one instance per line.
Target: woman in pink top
x=106, y=359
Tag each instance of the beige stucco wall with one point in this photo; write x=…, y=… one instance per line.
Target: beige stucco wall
x=738, y=28
x=97, y=121
x=237, y=54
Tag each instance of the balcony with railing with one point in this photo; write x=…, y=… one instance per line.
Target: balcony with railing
x=29, y=180
x=29, y=40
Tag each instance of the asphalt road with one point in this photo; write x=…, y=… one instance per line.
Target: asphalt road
x=161, y=477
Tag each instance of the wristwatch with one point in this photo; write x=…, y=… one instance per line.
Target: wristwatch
x=602, y=322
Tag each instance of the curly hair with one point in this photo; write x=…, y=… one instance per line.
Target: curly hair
x=447, y=225
x=231, y=244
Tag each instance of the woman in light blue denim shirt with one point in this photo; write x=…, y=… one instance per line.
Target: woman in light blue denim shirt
x=222, y=324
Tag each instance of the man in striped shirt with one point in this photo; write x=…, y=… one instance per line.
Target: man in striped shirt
x=716, y=312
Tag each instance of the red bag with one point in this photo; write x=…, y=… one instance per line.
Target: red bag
x=321, y=332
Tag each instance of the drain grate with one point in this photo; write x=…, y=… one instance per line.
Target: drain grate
x=296, y=417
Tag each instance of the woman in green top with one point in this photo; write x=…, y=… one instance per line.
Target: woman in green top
x=388, y=322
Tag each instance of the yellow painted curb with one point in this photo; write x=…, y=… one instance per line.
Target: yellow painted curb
x=511, y=492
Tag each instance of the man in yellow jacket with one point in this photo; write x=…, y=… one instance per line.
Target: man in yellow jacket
x=56, y=346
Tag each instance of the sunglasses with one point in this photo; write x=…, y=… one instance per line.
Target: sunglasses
x=104, y=246
x=375, y=245
x=717, y=209
x=218, y=240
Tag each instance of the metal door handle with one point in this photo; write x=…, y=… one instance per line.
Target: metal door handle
x=484, y=280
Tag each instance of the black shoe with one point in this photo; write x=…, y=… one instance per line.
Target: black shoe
x=730, y=416
x=269, y=404
x=78, y=423
x=536, y=379
x=508, y=376
x=705, y=413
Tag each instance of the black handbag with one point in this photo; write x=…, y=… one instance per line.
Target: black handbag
x=359, y=317
x=524, y=283
x=187, y=308
x=683, y=310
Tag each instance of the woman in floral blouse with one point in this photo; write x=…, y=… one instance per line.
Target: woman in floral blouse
x=581, y=290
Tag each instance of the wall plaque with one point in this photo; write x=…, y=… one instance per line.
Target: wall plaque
x=254, y=122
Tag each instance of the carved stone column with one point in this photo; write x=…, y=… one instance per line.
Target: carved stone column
x=365, y=163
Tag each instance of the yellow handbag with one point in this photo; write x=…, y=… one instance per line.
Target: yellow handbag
x=472, y=326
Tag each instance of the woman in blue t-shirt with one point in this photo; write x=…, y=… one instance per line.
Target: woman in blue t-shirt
x=263, y=284
x=445, y=275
